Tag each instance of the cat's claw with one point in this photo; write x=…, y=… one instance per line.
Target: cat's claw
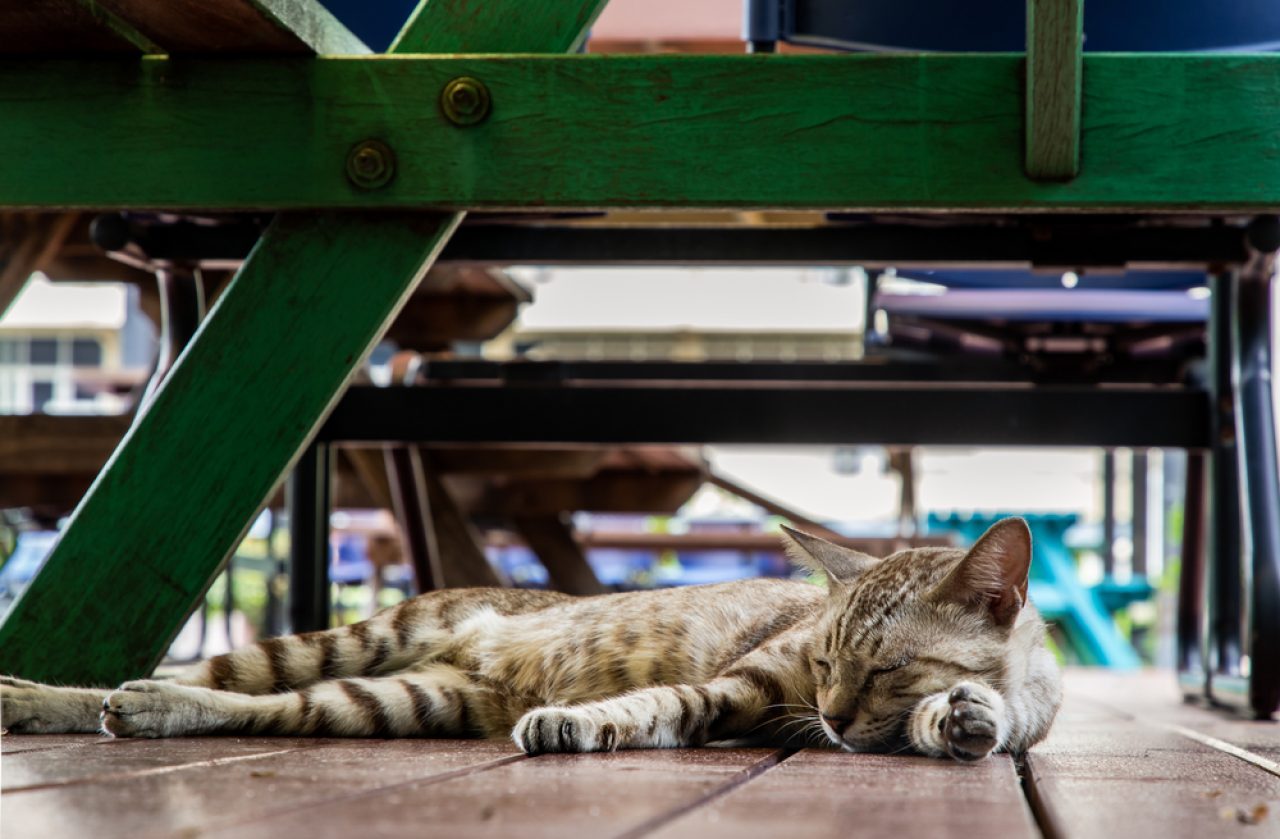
x=545, y=730
x=971, y=729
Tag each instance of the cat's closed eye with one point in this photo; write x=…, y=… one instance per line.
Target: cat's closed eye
x=821, y=669
x=897, y=664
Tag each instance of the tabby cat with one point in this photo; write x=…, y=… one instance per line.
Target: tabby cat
x=932, y=649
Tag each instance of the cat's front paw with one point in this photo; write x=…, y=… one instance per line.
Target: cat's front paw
x=155, y=709
x=973, y=726
x=544, y=730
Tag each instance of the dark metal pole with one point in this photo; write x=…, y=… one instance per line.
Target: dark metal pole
x=1252, y=363
x=1109, y=513
x=307, y=495
x=273, y=622
x=1191, y=630
x=1139, y=513
x=1226, y=584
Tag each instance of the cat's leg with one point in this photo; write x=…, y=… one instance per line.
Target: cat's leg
x=33, y=708
x=733, y=705
x=972, y=719
x=1033, y=706
x=967, y=722
x=410, y=632
x=438, y=701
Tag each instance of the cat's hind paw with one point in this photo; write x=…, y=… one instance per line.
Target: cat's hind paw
x=545, y=730
x=155, y=709
x=33, y=708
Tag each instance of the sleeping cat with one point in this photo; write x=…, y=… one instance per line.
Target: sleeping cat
x=932, y=649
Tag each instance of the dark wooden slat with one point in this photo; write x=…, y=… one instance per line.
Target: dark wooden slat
x=612, y=490
x=450, y=535
x=619, y=794
x=1103, y=774
x=28, y=242
x=524, y=461
x=822, y=793
x=552, y=541
x=214, y=797
x=63, y=27
x=874, y=545
x=58, y=445
x=238, y=27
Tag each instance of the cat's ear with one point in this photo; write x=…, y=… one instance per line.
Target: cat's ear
x=841, y=565
x=993, y=575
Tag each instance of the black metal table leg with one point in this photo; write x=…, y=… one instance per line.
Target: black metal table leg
x=1260, y=481
x=307, y=494
x=1191, y=653
x=1109, y=514
x=1228, y=682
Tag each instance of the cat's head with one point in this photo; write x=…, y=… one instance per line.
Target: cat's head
x=898, y=629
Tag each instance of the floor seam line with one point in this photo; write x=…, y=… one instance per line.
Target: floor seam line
x=740, y=778
x=152, y=771
x=426, y=780
x=1223, y=746
x=1212, y=742
x=1041, y=813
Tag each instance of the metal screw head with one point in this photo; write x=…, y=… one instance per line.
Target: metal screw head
x=371, y=164
x=465, y=101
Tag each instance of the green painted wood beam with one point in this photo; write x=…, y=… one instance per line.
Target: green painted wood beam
x=539, y=26
x=1055, y=46
x=233, y=414
x=1159, y=132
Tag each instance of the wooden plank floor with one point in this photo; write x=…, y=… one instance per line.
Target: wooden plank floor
x=1127, y=759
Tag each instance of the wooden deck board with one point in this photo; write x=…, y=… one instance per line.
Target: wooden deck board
x=1154, y=696
x=620, y=794
x=220, y=791
x=1115, y=765
x=15, y=743
x=820, y=793
x=1126, y=758
x=105, y=759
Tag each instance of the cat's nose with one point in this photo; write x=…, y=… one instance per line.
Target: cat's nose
x=838, y=724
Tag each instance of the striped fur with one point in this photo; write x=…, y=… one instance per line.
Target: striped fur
x=931, y=649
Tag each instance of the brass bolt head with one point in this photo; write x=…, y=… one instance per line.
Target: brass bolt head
x=465, y=101
x=371, y=164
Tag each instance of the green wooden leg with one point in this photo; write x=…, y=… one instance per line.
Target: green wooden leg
x=241, y=402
